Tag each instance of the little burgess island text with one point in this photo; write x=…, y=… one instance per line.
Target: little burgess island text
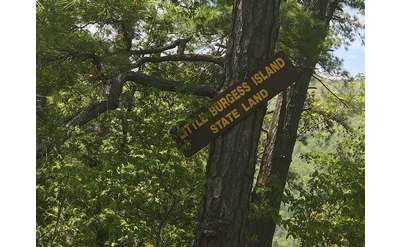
x=235, y=103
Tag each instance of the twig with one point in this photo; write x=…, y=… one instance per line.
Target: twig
x=323, y=84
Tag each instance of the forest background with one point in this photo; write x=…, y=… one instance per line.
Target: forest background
x=323, y=139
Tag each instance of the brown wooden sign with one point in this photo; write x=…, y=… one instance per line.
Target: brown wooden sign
x=235, y=103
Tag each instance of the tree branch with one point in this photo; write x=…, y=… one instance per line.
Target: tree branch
x=183, y=57
x=96, y=109
x=112, y=101
x=331, y=116
x=169, y=85
x=159, y=49
x=337, y=97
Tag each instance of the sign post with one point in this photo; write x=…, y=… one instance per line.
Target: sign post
x=235, y=103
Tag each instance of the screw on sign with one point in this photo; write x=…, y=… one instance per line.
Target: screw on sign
x=235, y=103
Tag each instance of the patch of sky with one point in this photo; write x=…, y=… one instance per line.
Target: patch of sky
x=353, y=56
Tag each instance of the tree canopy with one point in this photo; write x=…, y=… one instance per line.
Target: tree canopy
x=113, y=78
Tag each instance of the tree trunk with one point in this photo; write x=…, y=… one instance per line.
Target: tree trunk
x=277, y=155
x=232, y=156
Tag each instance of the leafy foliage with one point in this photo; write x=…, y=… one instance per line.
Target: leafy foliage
x=329, y=210
x=119, y=180
x=324, y=198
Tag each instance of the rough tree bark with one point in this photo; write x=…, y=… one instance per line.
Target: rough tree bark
x=277, y=154
x=232, y=157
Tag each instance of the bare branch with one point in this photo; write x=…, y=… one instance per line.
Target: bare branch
x=337, y=97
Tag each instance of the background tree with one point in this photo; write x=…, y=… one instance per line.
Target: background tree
x=335, y=131
x=310, y=47
x=112, y=79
